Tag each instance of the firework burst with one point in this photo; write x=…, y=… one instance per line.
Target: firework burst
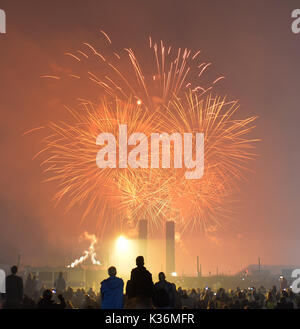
x=159, y=97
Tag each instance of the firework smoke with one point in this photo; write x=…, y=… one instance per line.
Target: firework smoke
x=87, y=253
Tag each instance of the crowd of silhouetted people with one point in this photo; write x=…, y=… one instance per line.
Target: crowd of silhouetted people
x=140, y=293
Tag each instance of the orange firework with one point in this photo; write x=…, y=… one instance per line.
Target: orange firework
x=194, y=203
x=158, y=97
x=71, y=155
x=227, y=151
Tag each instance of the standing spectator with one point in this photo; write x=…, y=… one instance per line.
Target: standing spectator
x=112, y=291
x=37, y=287
x=163, y=293
x=141, y=281
x=29, y=286
x=60, y=284
x=274, y=291
x=270, y=301
x=177, y=301
x=14, y=289
x=283, y=283
x=43, y=288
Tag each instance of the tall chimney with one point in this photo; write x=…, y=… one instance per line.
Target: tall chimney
x=170, y=247
x=143, y=236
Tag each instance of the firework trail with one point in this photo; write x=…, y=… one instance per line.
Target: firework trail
x=157, y=97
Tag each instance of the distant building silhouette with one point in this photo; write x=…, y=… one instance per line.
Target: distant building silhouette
x=170, y=247
x=143, y=236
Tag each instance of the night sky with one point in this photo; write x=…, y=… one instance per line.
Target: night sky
x=249, y=41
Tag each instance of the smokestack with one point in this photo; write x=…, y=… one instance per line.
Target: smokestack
x=170, y=247
x=198, y=271
x=143, y=236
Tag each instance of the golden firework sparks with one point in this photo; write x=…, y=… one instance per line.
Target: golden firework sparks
x=158, y=97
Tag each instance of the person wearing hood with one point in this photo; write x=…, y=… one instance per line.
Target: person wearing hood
x=112, y=291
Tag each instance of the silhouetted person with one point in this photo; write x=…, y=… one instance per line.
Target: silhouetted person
x=29, y=286
x=36, y=288
x=177, y=301
x=112, y=291
x=283, y=283
x=14, y=289
x=163, y=293
x=60, y=284
x=141, y=281
x=274, y=291
x=47, y=303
